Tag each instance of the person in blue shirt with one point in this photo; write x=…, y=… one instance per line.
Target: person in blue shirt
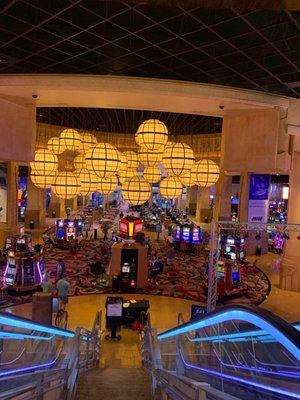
x=62, y=291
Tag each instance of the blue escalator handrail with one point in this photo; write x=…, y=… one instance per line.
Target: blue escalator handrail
x=270, y=323
x=24, y=323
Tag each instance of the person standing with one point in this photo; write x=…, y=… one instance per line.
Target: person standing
x=47, y=285
x=61, y=268
x=62, y=292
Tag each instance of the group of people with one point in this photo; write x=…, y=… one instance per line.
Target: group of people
x=61, y=288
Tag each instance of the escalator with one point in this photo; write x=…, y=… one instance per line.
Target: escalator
x=39, y=361
x=237, y=351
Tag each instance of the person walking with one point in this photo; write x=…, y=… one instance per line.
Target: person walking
x=62, y=292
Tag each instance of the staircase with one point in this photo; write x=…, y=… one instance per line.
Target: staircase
x=120, y=375
x=114, y=384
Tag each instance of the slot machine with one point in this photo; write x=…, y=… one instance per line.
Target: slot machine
x=10, y=273
x=70, y=230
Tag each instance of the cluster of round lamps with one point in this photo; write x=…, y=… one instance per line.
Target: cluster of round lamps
x=75, y=163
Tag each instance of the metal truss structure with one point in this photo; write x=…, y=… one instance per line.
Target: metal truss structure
x=236, y=228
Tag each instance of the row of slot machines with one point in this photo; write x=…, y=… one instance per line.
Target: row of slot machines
x=67, y=229
x=189, y=234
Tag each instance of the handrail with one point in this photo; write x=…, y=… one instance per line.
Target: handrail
x=285, y=333
x=25, y=323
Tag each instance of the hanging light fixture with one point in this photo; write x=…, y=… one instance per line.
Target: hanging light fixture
x=132, y=159
x=79, y=163
x=66, y=185
x=187, y=179
x=70, y=140
x=54, y=145
x=88, y=182
x=178, y=158
x=136, y=191
x=42, y=181
x=170, y=187
x=152, y=135
x=45, y=162
x=205, y=173
x=88, y=140
x=123, y=162
x=127, y=174
x=108, y=185
x=149, y=158
x=152, y=174
x=102, y=160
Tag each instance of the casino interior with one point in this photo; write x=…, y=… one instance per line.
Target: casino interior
x=150, y=199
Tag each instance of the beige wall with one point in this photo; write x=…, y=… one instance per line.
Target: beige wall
x=17, y=131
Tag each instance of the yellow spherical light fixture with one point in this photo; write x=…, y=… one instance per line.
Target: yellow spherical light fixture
x=127, y=174
x=205, y=173
x=152, y=174
x=178, y=158
x=102, y=160
x=88, y=182
x=149, y=158
x=54, y=145
x=88, y=140
x=79, y=163
x=187, y=179
x=65, y=185
x=45, y=162
x=152, y=135
x=170, y=187
x=70, y=140
x=123, y=162
x=132, y=159
x=136, y=191
x=108, y=185
x=42, y=181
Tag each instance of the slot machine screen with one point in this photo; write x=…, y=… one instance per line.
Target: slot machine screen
x=220, y=271
x=177, y=234
x=186, y=234
x=235, y=276
x=233, y=256
x=196, y=236
x=21, y=245
x=28, y=271
x=242, y=255
x=227, y=249
x=60, y=233
x=230, y=241
x=70, y=232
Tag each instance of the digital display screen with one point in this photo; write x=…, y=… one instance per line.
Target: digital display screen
x=60, y=223
x=186, y=234
x=123, y=227
x=196, y=235
x=60, y=234
x=242, y=254
x=70, y=223
x=70, y=232
x=197, y=311
x=126, y=268
x=227, y=249
x=177, y=233
x=233, y=256
x=138, y=227
x=235, y=276
x=230, y=241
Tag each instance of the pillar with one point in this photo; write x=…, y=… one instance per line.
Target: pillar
x=203, y=209
x=57, y=206
x=191, y=199
x=222, y=206
x=36, y=204
x=12, y=197
x=244, y=197
x=290, y=268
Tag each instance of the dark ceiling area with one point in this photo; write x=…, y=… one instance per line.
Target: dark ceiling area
x=254, y=49
x=126, y=121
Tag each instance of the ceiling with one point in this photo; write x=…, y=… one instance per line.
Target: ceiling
x=254, y=49
x=127, y=121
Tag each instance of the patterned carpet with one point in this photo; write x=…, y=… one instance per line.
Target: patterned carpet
x=185, y=278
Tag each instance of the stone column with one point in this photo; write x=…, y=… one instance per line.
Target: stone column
x=244, y=197
x=222, y=206
x=35, y=206
x=12, y=197
x=191, y=199
x=58, y=206
x=290, y=268
x=203, y=205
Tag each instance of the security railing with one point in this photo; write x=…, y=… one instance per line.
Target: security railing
x=40, y=362
x=233, y=352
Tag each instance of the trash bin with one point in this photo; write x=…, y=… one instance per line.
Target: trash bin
x=53, y=214
x=31, y=225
